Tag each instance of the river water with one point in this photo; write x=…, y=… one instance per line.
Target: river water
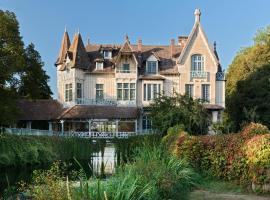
x=97, y=165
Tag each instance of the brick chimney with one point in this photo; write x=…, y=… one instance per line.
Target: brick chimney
x=140, y=45
x=182, y=40
x=172, y=47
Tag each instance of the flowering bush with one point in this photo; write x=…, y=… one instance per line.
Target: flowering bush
x=244, y=157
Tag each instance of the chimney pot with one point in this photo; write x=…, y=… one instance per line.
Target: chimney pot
x=182, y=40
x=172, y=47
x=139, y=44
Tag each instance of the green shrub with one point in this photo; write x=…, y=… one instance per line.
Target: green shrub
x=244, y=157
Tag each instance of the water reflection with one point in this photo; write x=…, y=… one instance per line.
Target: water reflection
x=104, y=162
x=101, y=164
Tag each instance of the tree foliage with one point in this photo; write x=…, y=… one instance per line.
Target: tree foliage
x=16, y=65
x=247, y=87
x=179, y=109
x=11, y=63
x=34, y=80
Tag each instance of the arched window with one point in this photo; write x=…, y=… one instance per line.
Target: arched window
x=197, y=62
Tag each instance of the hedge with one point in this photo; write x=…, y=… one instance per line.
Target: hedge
x=243, y=157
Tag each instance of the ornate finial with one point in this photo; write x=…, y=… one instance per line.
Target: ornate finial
x=65, y=28
x=197, y=14
x=78, y=31
x=215, y=46
x=88, y=40
x=126, y=38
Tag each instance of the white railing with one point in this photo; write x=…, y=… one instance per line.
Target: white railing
x=81, y=134
x=125, y=71
x=199, y=74
x=111, y=102
x=108, y=102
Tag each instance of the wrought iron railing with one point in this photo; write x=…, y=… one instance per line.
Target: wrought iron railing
x=125, y=71
x=81, y=134
x=111, y=102
x=199, y=74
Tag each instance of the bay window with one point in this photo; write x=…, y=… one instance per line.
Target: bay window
x=151, y=91
x=126, y=91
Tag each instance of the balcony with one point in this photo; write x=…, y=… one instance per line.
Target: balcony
x=200, y=75
x=125, y=71
x=108, y=102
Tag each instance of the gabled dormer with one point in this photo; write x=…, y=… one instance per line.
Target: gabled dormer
x=126, y=61
x=151, y=65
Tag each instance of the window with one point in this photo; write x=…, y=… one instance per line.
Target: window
x=68, y=92
x=99, y=65
x=126, y=91
x=205, y=92
x=197, y=62
x=147, y=123
x=189, y=90
x=99, y=92
x=151, y=67
x=107, y=54
x=79, y=90
x=126, y=68
x=151, y=91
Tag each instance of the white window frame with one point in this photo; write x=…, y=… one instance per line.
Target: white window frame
x=147, y=122
x=189, y=90
x=147, y=67
x=79, y=89
x=197, y=62
x=68, y=92
x=148, y=91
x=98, y=90
x=109, y=56
x=99, y=65
x=128, y=89
x=205, y=94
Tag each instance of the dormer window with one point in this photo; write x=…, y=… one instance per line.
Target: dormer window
x=197, y=62
x=107, y=54
x=99, y=65
x=151, y=67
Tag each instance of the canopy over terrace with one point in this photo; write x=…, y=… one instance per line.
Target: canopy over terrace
x=51, y=115
x=81, y=118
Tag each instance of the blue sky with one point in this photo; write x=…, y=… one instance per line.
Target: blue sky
x=231, y=23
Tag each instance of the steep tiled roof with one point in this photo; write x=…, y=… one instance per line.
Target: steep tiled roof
x=79, y=58
x=41, y=109
x=100, y=112
x=63, y=49
x=85, y=57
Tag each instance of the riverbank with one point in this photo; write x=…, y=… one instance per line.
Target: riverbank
x=32, y=150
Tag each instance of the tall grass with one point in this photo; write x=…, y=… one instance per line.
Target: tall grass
x=153, y=174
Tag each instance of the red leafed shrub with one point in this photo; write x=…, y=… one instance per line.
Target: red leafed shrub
x=244, y=156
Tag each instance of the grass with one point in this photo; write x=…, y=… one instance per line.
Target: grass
x=219, y=186
x=154, y=174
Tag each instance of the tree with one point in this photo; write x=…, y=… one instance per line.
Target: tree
x=182, y=110
x=11, y=63
x=34, y=80
x=251, y=101
x=246, y=64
